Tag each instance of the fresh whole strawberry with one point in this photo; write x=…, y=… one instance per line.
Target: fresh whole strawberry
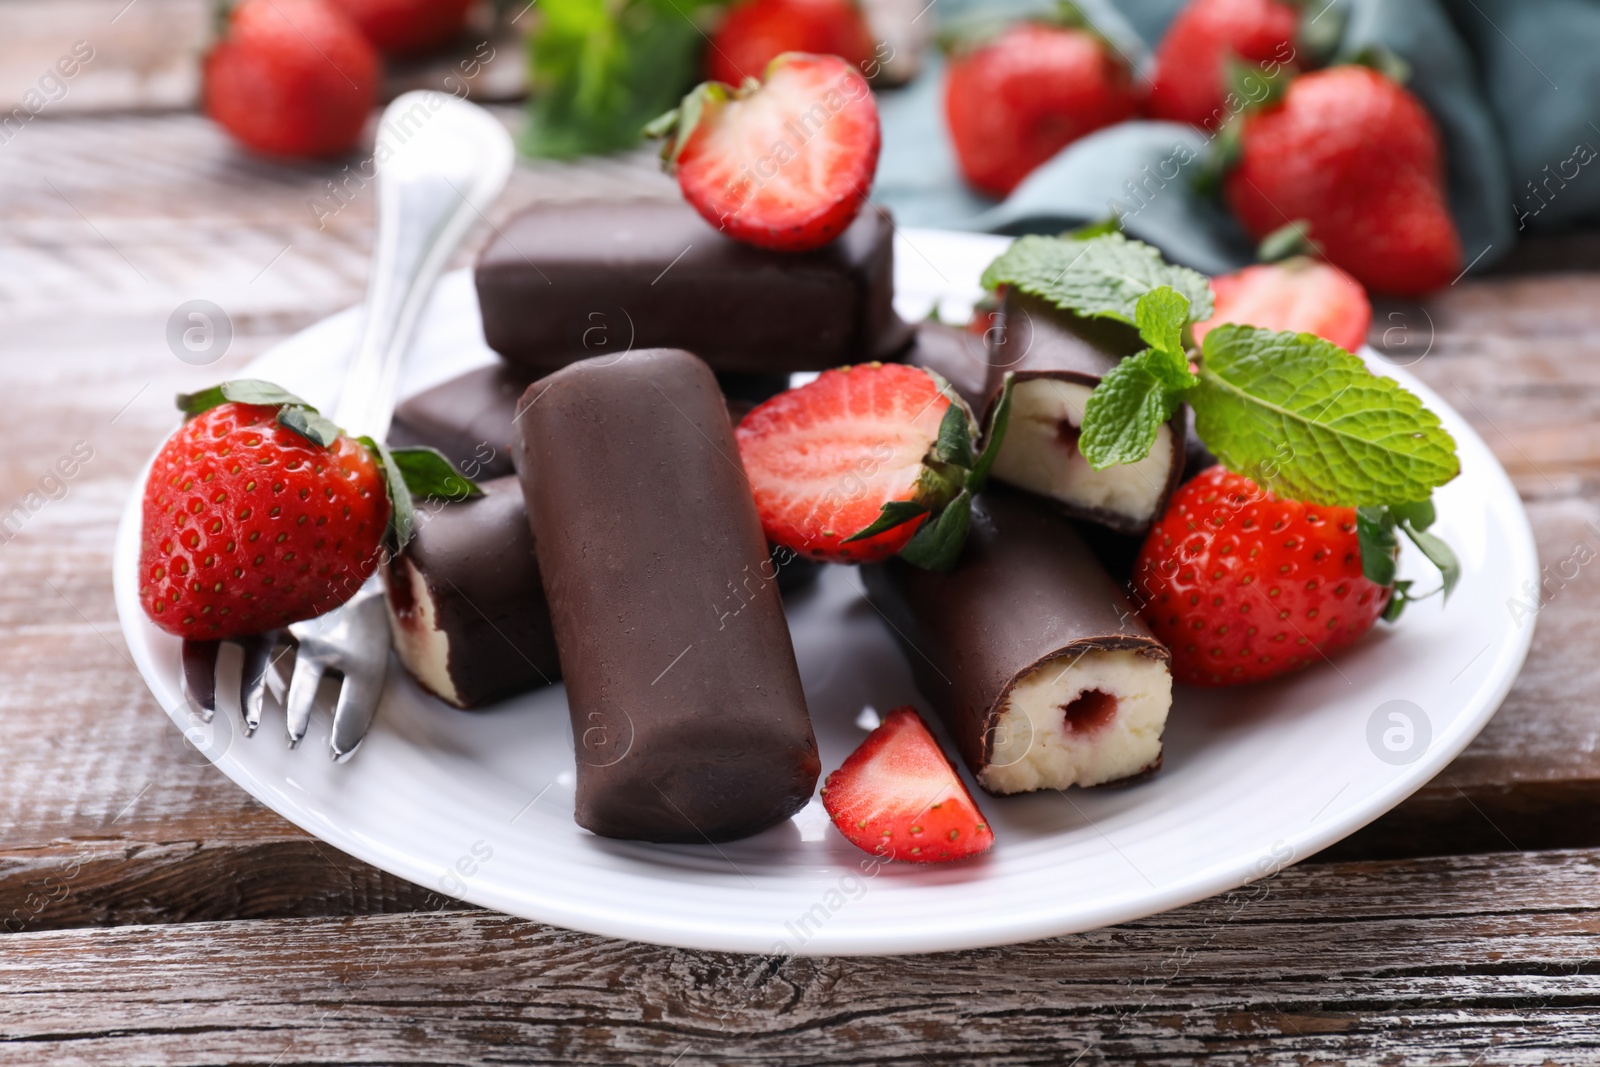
x=756, y=32
x=259, y=514
x=785, y=164
x=1242, y=586
x=850, y=467
x=1190, y=81
x=1299, y=295
x=1016, y=101
x=406, y=27
x=291, y=78
x=1357, y=156
x=898, y=796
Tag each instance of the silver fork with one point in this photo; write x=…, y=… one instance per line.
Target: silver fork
x=440, y=163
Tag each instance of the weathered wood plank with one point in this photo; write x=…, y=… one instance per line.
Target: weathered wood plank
x=1466, y=960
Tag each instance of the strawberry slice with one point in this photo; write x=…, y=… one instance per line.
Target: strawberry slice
x=898, y=796
x=851, y=467
x=1300, y=295
x=784, y=163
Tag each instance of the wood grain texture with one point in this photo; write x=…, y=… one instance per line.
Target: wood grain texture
x=93, y=259
x=1485, y=960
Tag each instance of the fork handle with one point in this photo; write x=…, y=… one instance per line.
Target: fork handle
x=441, y=163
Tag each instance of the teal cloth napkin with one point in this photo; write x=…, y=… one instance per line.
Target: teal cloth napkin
x=1514, y=86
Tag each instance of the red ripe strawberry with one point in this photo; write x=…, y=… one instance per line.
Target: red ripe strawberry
x=1016, y=101
x=898, y=796
x=785, y=164
x=1299, y=295
x=1356, y=156
x=824, y=459
x=756, y=32
x=407, y=26
x=1190, y=81
x=1242, y=586
x=249, y=526
x=291, y=78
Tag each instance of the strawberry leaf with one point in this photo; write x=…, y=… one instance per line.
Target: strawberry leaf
x=894, y=513
x=954, y=443
x=241, y=391
x=402, y=510
x=1290, y=239
x=1376, y=532
x=937, y=545
x=1375, y=535
x=678, y=125
x=994, y=436
x=1439, y=554
x=1102, y=276
x=1352, y=438
x=308, y=423
x=427, y=473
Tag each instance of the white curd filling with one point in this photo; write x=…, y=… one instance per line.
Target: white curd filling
x=418, y=641
x=1040, y=454
x=1080, y=720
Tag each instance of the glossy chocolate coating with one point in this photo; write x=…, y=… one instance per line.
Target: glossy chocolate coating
x=956, y=354
x=476, y=561
x=564, y=282
x=1026, y=590
x=1039, y=340
x=685, y=697
x=468, y=418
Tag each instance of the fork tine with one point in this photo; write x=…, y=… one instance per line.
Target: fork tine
x=200, y=676
x=302, y=693
x=253, y=677
x=358, y=703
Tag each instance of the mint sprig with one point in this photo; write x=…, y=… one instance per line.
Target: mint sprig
x=1102, y=276
x=1126, y=410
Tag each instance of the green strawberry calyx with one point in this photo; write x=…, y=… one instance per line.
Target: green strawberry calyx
x=408, y=473
x=952, y=471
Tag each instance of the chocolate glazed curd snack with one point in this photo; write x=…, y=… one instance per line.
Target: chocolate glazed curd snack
x=690, y=721
x=465, y=602
x=1059, y=358
x=571, y=281
x=1032, y=654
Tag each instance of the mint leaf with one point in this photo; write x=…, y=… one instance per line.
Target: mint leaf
x=1125, y=412
x=1352, y=438
x=427, y=473
x=1100, y=276
x=937, y=545
x=1161, y=314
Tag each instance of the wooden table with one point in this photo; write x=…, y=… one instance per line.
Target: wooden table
x=160, y=915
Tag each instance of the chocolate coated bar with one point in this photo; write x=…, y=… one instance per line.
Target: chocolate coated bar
x=570, y=281
x=465, y=602
x=689, y=717
x=1032, y=654
x=1058, y=359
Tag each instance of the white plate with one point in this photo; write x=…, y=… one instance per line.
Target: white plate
x=480, y=805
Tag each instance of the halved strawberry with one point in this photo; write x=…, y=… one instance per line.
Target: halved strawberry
x=1299, y=295
x=898, y=796
x=783, y=164
x=849, y=468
